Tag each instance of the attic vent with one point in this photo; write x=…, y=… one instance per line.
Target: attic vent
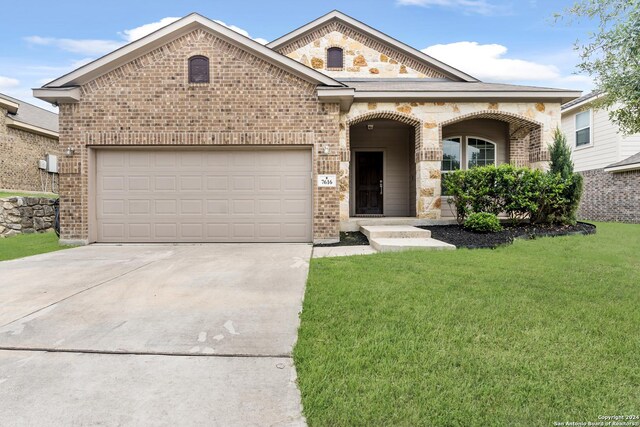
x=199, y=69
x=335, y=58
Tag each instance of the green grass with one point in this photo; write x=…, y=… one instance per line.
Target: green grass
x=6, y=194
x=525, y=335
x=23, y=245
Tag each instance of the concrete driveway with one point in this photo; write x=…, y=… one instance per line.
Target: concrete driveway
x=152, y=335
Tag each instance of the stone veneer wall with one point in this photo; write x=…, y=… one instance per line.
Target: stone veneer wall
x=149, y=102
x=19, y=155
x=363, y=56
x=610, y=196
x=26, y=215
x=428, y=118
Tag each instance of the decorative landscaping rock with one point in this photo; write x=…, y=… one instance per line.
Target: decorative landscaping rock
x=26, y=215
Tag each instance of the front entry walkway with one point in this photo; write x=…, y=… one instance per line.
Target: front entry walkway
x=152, y=335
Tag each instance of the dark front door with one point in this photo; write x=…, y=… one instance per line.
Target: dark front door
x=369, y=183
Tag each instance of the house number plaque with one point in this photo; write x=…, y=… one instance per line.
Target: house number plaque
x=326, y=180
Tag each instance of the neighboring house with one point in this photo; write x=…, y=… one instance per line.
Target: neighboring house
x=27, y=135
x=196, y=133
x=608, y=161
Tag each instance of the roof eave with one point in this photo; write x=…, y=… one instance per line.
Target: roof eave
x=16, y=124
x=623, y=168
x=562, y=97
x=411, y=51
x=162, y=36
x=343, y=96
x=58, y=95
x=581, y=104
x=10, y=106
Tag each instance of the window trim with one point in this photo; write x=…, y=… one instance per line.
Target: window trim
x=575, y=130
x=466, y=145
x=326, y=57
x=189, y=69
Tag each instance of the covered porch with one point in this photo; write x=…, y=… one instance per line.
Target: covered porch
x=394, y=173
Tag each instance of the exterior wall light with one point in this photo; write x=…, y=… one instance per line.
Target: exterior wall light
x=325, y=149
x=69, y=152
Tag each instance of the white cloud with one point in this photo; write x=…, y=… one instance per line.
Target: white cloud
x=81, y=46
x=143, y=30
x=488, y=63
x=8, y=83
x=481, y=7
x=97, y=47
x=242, y=31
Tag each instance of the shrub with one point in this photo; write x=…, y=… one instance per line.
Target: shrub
x=483, y=222
x=520, y=193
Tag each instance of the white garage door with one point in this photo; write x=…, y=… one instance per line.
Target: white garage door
x=161, y=195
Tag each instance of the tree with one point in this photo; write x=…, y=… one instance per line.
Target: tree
x=561, y=165
x=611, y=55
x=560, y=154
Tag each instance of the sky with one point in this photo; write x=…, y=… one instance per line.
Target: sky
x=507, y=41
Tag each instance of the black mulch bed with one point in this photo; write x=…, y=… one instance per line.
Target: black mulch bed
x=456, y=235
x=349, y=238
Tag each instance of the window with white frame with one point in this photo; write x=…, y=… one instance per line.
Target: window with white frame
x=583, y=128
x=480, y=152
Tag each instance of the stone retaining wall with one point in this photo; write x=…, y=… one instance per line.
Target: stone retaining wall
x=26, y=215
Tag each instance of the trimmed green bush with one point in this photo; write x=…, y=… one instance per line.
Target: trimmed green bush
x=520, y=193
x=483, y=222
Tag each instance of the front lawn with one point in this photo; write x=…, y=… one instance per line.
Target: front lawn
x=539, y=332
x=23, y=245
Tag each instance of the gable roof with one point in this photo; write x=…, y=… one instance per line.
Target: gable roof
x=135, y=49
x=30, y=118
x=336, y=15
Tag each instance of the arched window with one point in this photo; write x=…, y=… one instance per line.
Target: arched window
x=335, y=58
x=199, y=69
x=480, y=152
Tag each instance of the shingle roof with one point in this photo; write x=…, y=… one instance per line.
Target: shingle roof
x=32, y=115
x=633, y=160
x=434, y=85
x=580, y=100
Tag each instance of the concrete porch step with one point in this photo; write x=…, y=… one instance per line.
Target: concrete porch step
x=403, y=244
x=394, y=232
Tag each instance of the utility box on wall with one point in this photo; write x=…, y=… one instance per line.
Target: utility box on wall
x=52, y=163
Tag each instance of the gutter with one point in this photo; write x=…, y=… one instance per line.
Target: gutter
x=623, y=168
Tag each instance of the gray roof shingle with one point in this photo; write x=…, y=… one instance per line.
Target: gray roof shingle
x=32, y=115
x=635, y=159
x=579, y=100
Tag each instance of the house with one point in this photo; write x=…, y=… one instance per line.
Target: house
x=608, y=160
x=196, y=133
x=28, y=134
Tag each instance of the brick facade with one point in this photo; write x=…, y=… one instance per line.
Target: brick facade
x=19, y=155
x=150, y=102
x=610, y=196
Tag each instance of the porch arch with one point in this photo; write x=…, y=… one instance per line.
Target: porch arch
x=412, y=121
x=525, y=135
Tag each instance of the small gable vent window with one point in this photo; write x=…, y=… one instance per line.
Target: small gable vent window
x=334, y=57
x=198, y=69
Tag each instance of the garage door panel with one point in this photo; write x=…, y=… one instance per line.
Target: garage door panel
x=165, y=183
x=203, y=195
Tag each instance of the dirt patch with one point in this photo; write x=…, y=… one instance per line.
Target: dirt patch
x=349, y=238
x=456, y=235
